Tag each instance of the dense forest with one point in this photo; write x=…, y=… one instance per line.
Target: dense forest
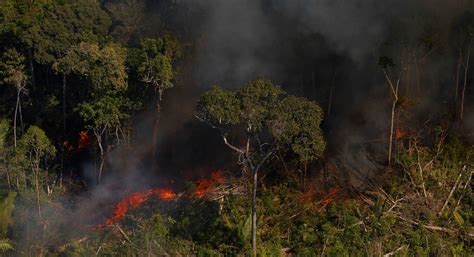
x=236, y=128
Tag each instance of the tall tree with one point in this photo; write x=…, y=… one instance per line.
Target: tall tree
x=394, y=83
x=106, y=108
x=4, y=149
x=63, y=25
x=37, y=148
x=271, y=121
x=12, y=72
x=156, y=69
x=463, y=35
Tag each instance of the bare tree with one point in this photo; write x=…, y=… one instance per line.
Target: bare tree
x=466, y=70
x=394, y=86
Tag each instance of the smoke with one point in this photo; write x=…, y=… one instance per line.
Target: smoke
x=352, y=28
x=314, y=47
x=241, y=38
x=326, y=50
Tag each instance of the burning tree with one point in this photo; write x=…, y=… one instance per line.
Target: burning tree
x=271, y=121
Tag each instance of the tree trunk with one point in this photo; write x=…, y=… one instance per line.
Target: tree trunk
x=32, y=68
x=254, y=213
x=64, y=103
x=8, y=180
x=394, y=91
x=466, y=70
x=101, y=166
x=16, y=117
x=156, y=119
x=102, y=155
x=330, y=94
x=37, y=193
x=394, y=104
x=35, y=170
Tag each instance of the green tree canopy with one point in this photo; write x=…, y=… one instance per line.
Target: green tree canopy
x=157, y=58
x=63, y=25
x=293, y=122
x=272, y=120
x=296, y=125
x=36, y=146
x=12, y=68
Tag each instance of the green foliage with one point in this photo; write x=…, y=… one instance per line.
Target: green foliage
x=157, y=58
x=6, y=245
x=86, y=40
x=105, y=112
x=296, y=124
x=257, y=100
x=293, y=225
x=36, y=145
x=105, y=67
x=17, y=16
x=201, y=223
x=12, y=68
x=61, y=25
x=4, y=133
x=149, y=236
x=219, y=106
x=32, y=155
x=6, y=208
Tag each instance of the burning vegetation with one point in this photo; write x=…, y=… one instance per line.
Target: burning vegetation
x=356, y=139
x=135, y=200
x=204, y=186
x=82, y=143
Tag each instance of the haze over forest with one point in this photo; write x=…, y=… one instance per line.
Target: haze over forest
x=236, y=128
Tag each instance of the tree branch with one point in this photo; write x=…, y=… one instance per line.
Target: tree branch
x=232, y=146
x=265, y=158
x=226, y=142
x=452, y=190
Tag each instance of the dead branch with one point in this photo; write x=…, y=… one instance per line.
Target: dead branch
x=421, y=171
x=430, y=227
x=123, y=233
x=452, y=190
x=395, y=203
x=464, y=190
x=395, y=251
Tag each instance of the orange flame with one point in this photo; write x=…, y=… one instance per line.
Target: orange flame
x=165, y=194
x=307, y=196
x=69, y=147
x=135, y=200
x=329, y=197
x=218, y=177
x=205, y=186
x=84, y=141
x=399, y=134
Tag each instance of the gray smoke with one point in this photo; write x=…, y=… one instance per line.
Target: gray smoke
x=305, y=45
x=242, y=38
